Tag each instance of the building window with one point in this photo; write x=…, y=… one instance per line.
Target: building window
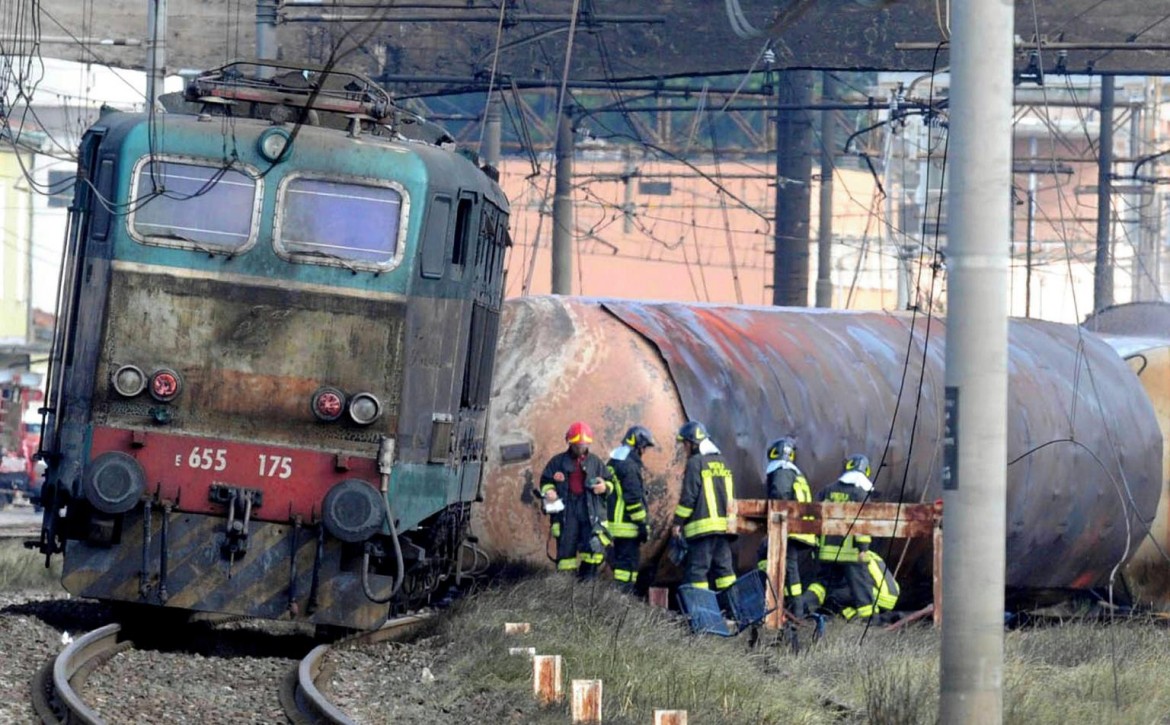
x=61, y=187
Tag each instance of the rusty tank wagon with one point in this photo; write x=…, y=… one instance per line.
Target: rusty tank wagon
x=1081, y=497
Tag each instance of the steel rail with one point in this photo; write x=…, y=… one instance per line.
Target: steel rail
x=307, y=703
x=55, y=695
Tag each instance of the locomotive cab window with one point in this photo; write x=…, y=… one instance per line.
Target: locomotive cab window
x=341, y=223
x=200, y=206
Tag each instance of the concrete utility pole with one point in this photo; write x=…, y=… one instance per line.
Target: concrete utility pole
x=493, y=130
x=156, y=50
x=975, y=470
x=562, y=241
x=1103, y=272
x=825, y=230
x=790, y=261
x=266, y=48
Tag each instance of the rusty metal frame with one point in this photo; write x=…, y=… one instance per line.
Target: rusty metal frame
x=890, y=520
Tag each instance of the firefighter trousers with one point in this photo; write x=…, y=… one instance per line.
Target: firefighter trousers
x=709, y=557
x=576, y=537
x=625, y=560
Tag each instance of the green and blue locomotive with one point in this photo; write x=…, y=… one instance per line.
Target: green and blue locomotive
x=276, y=333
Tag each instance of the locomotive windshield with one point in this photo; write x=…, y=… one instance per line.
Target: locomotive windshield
x=346, y=224
x=195, y=206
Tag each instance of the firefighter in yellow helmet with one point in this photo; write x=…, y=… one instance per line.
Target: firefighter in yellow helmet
x=626, y=520
x=844, y=559
x=786, y=482
x=704, y=508
x=574, y=484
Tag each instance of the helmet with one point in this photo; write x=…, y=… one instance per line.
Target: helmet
x=782, y=449
x=692, y=431
x=579, y=433
x=858, y=463
x=638, y=437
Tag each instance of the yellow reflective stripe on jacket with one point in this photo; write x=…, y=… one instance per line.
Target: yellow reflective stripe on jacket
x=844, y=553
x=622, y=530
x=803, y=495
x=636, y=512
x=683, y=512
x=714, y=524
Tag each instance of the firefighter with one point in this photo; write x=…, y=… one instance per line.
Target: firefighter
x=704, y=508
x=882, y=584
x=844, y=559
x=786, y=482
x=577, y=480
x=626, y=513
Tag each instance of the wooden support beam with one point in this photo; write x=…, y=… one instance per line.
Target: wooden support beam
x=586, y=701
x=546, y=679
x=660, y=597
x=777, y=551
x=890, y=520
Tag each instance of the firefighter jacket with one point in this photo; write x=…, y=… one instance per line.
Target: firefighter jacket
x=708, y=494
x=627, y=504
x=592, y=468
x=786, y=482
x=565, y=464
x=845, y=549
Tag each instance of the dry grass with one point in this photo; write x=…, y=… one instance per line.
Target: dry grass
x=647, y=660
x=21, y=568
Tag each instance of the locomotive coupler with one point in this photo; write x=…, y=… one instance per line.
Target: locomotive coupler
x=240, y=502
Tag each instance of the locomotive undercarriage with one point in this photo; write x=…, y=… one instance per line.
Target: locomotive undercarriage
x=159, y=556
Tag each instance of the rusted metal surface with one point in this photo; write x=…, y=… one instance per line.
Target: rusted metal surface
x=250, y=357
x=1148, y=572
x=1078, y=496
x=840, y=519
x=670, y=717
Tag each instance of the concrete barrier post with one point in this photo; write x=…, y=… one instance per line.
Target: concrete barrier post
x=546, y=678
x=586, y=701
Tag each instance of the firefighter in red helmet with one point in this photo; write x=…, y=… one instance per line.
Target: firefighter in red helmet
x=575, y=485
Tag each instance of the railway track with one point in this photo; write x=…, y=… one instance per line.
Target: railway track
x=55, y=693
x=306, y=692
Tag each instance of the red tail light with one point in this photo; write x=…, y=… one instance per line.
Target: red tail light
x=328, y=404
x=165, y=385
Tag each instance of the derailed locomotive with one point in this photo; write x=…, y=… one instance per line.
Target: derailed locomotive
x=274, y=350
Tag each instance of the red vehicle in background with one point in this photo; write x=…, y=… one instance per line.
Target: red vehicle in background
x=30, y=443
